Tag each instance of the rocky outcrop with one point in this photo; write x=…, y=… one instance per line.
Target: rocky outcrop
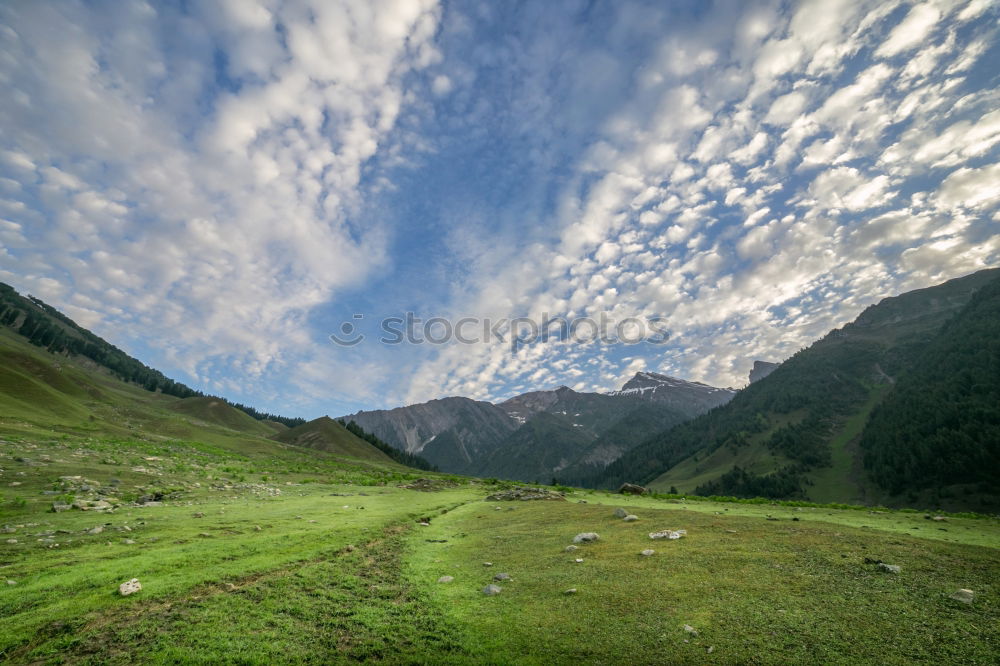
x=762, y=369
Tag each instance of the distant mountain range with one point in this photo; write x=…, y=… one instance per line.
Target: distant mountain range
x=541, y=435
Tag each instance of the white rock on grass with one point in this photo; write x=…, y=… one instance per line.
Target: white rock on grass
x=889, y=568
x=586, y=537
x=446, y=579
x=691, y=630
x=668, y=534
x=492, y=590
x=502, y=576
x=129, y=587
x=963, y=595
x=630, y=518
x=570, y=549
x=648, y=552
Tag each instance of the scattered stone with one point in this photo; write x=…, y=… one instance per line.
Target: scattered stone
x=648, y=552
x=889, y=568
x=963, y=595
x=197, y=514
x=581, y=501
x=257, y=528
x=571, y=590
x=313, y=521
x=939, y=518
x=525, y=495
x=710, y=649
x=570, y=549
x=95, y=530
x=446, y=579
x=668, y=534
x=492, y=590
x=129, y=587
x=691, y=630
x=586, y=537
x=230, y=587
x=11, y=582
x=502, y=576
x=59, y=507
x=9, y=530
x=620, y=513
x=578, y=560
x=630, y=518
x=128, y=542
x=205, y=535
x=632, y=489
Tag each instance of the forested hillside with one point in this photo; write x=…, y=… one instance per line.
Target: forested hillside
x=940, y=425
x=794, y=433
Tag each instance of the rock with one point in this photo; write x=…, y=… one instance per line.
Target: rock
x=8, y=530
x=95, y=530
x=257, y=528
x=128, y=542
x=11, y=582
x=129, y=587
x=492, y=590
x=963, y=595
x=939, y=518
x=487, y=564
x=230, y=587
x=710, y=649
x=446, y=579
x=586, y=537
x=570, y=549
x=691, y=630
x=632, y=489
x=59, y=507
x=668, y=534
x=197, y=514
x=630, y=518
x=502, y=576
x=648, y=552
x=889, y=568
x=620, y=513
x=578, y=560
x=204, y=535
x=524, y=495
x=571, y=590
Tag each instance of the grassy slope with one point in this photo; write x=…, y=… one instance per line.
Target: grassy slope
x=214, y=411
x=325, y=434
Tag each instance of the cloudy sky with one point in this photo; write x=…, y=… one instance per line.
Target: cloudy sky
x=216, y=186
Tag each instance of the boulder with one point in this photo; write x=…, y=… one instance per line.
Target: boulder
x=889, y=568
x=446, y=579
x=620, y=513
x=586, y=537
x=648, y=552
x=630, y=518
x=632, y=489
x=963, y=595
x=129, y=587
x=502, y=576
x=492, y=590
x=571, y=590
x=570, y=549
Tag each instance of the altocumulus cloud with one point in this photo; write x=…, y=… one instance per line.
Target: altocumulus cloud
x=223, y=181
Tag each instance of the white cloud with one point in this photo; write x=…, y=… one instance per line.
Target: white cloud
x=970, y=188
x=911, y=31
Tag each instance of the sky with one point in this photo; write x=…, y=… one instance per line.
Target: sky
x=217, y=187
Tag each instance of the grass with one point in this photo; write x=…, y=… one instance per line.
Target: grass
x=755, y=591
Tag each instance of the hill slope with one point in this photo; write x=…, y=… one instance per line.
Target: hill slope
x=219, y=412
x=795, y=432
x=325, y=434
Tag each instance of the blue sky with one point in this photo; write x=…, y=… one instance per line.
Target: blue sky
x=216, y=186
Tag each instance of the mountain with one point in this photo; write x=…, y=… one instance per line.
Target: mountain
x=796, y=432
x=692, y=398
x=541, y=434
x=762, y=369
x=325, y=434
x=219, y=412
x=939, y=427
x=450, y=432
